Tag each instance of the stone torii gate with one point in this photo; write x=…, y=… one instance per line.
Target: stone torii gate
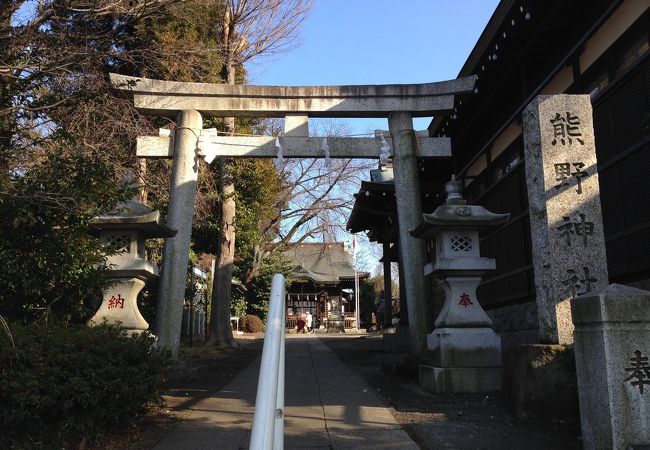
x=188, y=102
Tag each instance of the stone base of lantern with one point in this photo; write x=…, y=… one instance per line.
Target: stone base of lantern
x=447, y=380
x=464, y=360
x=120, y=305
x=465, y=347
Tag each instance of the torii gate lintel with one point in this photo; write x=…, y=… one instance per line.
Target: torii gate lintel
x=162, y=146
x=166, y=98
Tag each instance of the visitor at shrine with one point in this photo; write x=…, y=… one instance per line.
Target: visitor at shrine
x=300, y=325
x=379, y=309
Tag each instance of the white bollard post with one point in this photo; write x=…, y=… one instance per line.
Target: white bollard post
x=266, y=427
x=278, y=433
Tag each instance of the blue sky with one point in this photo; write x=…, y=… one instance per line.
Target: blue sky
x=379, y=42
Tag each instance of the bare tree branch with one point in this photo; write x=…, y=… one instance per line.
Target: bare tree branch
x=315, y=202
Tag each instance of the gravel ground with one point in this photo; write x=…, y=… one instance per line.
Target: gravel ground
x=459, y=421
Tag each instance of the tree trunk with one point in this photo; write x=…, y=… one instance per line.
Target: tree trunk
x=220, y=327
x=254, y=270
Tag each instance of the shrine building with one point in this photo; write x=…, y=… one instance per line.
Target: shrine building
x=595, y=47
x=323, y=279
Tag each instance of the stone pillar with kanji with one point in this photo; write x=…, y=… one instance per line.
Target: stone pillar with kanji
x=568, y=243
x=612, y=349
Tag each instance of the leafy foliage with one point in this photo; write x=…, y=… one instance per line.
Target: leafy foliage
x=257, y=186
x=182, y=44
x=238, y=306
x=75, y=382
x=367, y=296
x=259, y=288
x=50, y=261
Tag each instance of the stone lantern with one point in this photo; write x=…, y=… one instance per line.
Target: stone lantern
x=465, y=350
x=128, y=271
x=335, y=320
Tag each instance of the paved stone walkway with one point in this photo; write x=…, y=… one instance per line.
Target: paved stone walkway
x=328, y=406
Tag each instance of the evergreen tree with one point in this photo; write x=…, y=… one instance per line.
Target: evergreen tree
x=51, y=263
x=55, y=174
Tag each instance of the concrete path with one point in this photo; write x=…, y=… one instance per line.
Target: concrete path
x=328, y=406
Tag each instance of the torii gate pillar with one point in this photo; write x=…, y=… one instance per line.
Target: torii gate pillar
x=409, y=216
x=185, y=170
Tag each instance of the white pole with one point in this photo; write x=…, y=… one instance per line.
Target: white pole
x=356, y=296
x=278, y=432
x=265, y=420
x=356, y=281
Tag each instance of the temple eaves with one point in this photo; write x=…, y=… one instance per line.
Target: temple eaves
x=165, y=98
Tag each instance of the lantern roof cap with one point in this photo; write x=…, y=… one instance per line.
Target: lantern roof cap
x=457, y=214
x=133, y=215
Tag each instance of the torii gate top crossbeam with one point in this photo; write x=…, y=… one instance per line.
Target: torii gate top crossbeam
x=165, y=98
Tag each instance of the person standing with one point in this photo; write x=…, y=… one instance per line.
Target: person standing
x=379, y=309
x=308, y=321
x=300, y=325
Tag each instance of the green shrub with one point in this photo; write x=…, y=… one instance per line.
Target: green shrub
x=252, y=324
x=50, y=262
x=63, y=384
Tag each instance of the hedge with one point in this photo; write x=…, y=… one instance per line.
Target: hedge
x=63, y=384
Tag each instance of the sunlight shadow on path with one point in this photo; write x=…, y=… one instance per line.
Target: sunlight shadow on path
x=327, y=406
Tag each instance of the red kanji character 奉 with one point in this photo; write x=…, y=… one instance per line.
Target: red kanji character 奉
x=465, y=300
